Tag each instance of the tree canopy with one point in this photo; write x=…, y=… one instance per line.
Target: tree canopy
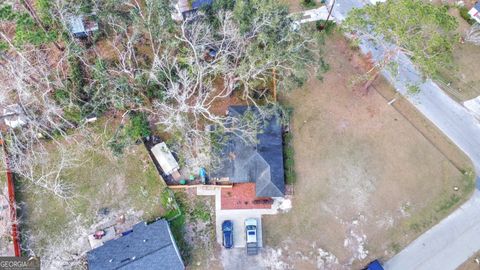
x=172, y=73
x=423, y=31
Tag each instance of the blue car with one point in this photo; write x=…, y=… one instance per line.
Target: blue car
x=227, y=229
x=375, y=265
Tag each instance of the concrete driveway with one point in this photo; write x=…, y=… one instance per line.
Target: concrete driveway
x=238, y=218
x=236, y=258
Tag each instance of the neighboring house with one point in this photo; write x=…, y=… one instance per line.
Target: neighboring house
x=14, y=116
x=261, y=163
x=82, y=26
x=145, y=247
x=166, y=160
x=474, y=12
x=184, y=8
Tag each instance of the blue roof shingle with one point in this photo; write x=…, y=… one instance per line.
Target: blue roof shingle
x=146, y=247
x=261, y=163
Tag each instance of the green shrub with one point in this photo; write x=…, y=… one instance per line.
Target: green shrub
x=6, y=13
x=178, y=227
x=289, y=161
x=61, y=96
x=170, y=205
x=117, y=144
x=309, y=3
x=27, y=31
x=327, y=26
x=3, y=46
x=43, y=7
x=413, y=89
x=201, y=212
x=464, y=14
x=73, y=114
x=138, y=127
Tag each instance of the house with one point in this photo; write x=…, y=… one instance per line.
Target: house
x=184, y=8
x=82, y=26
x=147, y=246
x=14, y=116
x=260, y=163
x=474, y=12
x=166, y=160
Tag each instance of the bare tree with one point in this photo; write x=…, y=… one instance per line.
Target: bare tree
x=473, y=34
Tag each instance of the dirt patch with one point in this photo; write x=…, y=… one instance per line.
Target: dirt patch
x=473, y=263
x=368, y=182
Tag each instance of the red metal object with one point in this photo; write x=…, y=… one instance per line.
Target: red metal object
x=11, y=203
x=99, y=234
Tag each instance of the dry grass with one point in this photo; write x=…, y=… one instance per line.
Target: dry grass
x=462, y=83
x=123, y=185
x=368, y=181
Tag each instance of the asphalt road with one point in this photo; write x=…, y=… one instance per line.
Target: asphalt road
x=457, y=237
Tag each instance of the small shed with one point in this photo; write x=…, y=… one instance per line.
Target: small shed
x=184, y=8
x=82, y=26
x=14, y=116
x=165, y=158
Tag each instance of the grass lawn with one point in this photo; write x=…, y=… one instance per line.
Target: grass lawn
x=125, y=185
x=369, y=180
x=463, y=82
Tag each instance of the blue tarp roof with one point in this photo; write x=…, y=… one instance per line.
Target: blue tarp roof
x=375, y=265
x=200, y=3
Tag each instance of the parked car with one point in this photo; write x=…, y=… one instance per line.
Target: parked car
x=251, y=234
x=227, y=229
x=374, y=265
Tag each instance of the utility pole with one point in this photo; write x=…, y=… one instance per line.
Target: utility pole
x=328, y=17
x=274, y=85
